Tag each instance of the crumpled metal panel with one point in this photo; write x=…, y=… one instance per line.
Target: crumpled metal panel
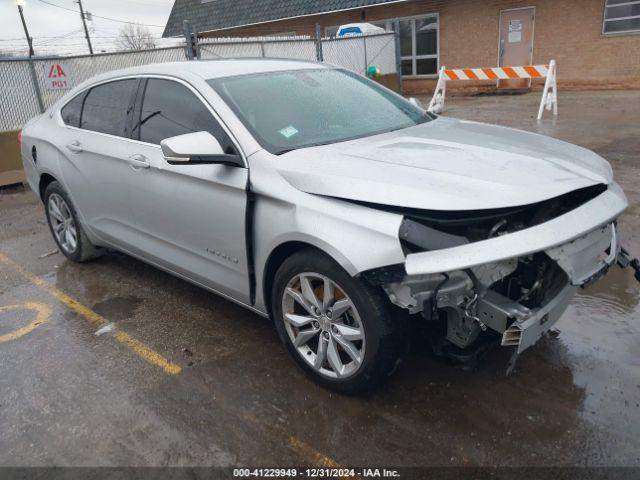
x=525, y=333
x=558, y=231
x=583, y=257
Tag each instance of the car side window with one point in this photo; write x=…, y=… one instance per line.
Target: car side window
x=71, y=111
x=169, y=109
x=107, y=107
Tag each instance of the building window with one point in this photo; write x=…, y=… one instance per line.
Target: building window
x=418, y=43
x=621, y=16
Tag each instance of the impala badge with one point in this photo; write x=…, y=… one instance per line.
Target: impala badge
x=222, y=255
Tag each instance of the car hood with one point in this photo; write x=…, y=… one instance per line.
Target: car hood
x=445, y=164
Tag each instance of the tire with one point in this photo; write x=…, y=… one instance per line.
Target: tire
x=375, y=350
x=60, y=210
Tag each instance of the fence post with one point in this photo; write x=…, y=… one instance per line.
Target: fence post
x=396, y=29
x=262, y=49
x=366, y=60
x=196, y=45
x=319, y=56
x=36, y=85
x=186, y=29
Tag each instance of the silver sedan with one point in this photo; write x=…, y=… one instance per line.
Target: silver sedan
x=318, y=198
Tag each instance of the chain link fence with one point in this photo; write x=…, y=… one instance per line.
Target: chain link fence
x=25, y=83
x=18, y=95
x=85, y=67
x=358, y=53
x=301, y=48
x=354, y=53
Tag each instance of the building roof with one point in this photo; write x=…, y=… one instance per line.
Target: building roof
x=210, y=15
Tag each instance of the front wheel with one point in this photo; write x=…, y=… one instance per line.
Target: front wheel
x=334, y=326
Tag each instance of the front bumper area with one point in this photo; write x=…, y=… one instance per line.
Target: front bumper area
x=561, y=230
x=527, y=330
x=517, y=284
x=584, y=259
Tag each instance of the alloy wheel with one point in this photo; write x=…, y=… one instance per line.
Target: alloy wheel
x=62, y=223
x=323, y=325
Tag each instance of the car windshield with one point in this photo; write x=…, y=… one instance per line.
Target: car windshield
x=302, y=108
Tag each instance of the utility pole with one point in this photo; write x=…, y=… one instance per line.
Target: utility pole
x=20, y=3
x=84, y=24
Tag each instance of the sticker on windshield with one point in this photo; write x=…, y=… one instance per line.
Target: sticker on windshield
x=288, y=132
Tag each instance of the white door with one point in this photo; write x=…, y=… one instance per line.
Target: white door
x=516, y=43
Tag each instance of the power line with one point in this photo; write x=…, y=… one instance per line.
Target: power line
x=141, y=3
x=42, y=36
x=66, y=36
x=8, y=39
x=100, y=16
x=45, y=40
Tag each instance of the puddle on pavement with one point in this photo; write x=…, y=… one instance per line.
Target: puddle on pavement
x=600, y=332
x=118, y=308
x=604, y=317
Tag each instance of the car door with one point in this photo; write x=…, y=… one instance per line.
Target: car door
x=190, y=218
x=96, y=152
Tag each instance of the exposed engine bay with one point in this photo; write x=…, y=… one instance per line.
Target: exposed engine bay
x=513, y=300
x=495, y=297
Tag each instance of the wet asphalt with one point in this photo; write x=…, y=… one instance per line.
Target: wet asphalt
x=71, y=397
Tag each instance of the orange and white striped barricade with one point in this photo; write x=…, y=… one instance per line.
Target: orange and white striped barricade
x=549, y=95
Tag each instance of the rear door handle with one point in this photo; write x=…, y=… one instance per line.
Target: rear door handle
x=75, y=146
x=138, y=161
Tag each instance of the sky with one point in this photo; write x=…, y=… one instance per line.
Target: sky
x=59, y=31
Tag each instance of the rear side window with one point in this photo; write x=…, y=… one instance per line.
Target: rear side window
x=169, y=109
x=107, y=106
x=72, y=110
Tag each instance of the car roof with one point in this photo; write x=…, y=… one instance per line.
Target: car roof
x=206, y=69
x=217, y=68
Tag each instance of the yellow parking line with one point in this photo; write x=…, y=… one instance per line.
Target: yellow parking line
x=318, y=459
x=145, y=352
x=96, y=319
x=42, y=315
x=305, y=450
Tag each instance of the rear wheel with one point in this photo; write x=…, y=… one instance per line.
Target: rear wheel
x=65, y=227
x=334, y=326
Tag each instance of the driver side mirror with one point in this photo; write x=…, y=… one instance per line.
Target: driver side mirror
x=197, y=148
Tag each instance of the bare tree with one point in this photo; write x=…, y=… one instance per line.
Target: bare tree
x=134, y=37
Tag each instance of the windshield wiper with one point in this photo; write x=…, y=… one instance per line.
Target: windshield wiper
x=286, y=150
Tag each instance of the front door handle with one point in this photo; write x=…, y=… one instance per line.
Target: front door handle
x=75, y=146
x=138, y=161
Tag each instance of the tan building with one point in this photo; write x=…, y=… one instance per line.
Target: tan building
x=596, y=43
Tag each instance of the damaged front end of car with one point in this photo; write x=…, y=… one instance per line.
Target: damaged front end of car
x=504, y=275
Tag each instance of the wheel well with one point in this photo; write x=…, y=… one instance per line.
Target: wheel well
x=279, y=255
x=45, y=180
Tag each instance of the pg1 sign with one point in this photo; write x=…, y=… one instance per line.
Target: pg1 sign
x=56, y=75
